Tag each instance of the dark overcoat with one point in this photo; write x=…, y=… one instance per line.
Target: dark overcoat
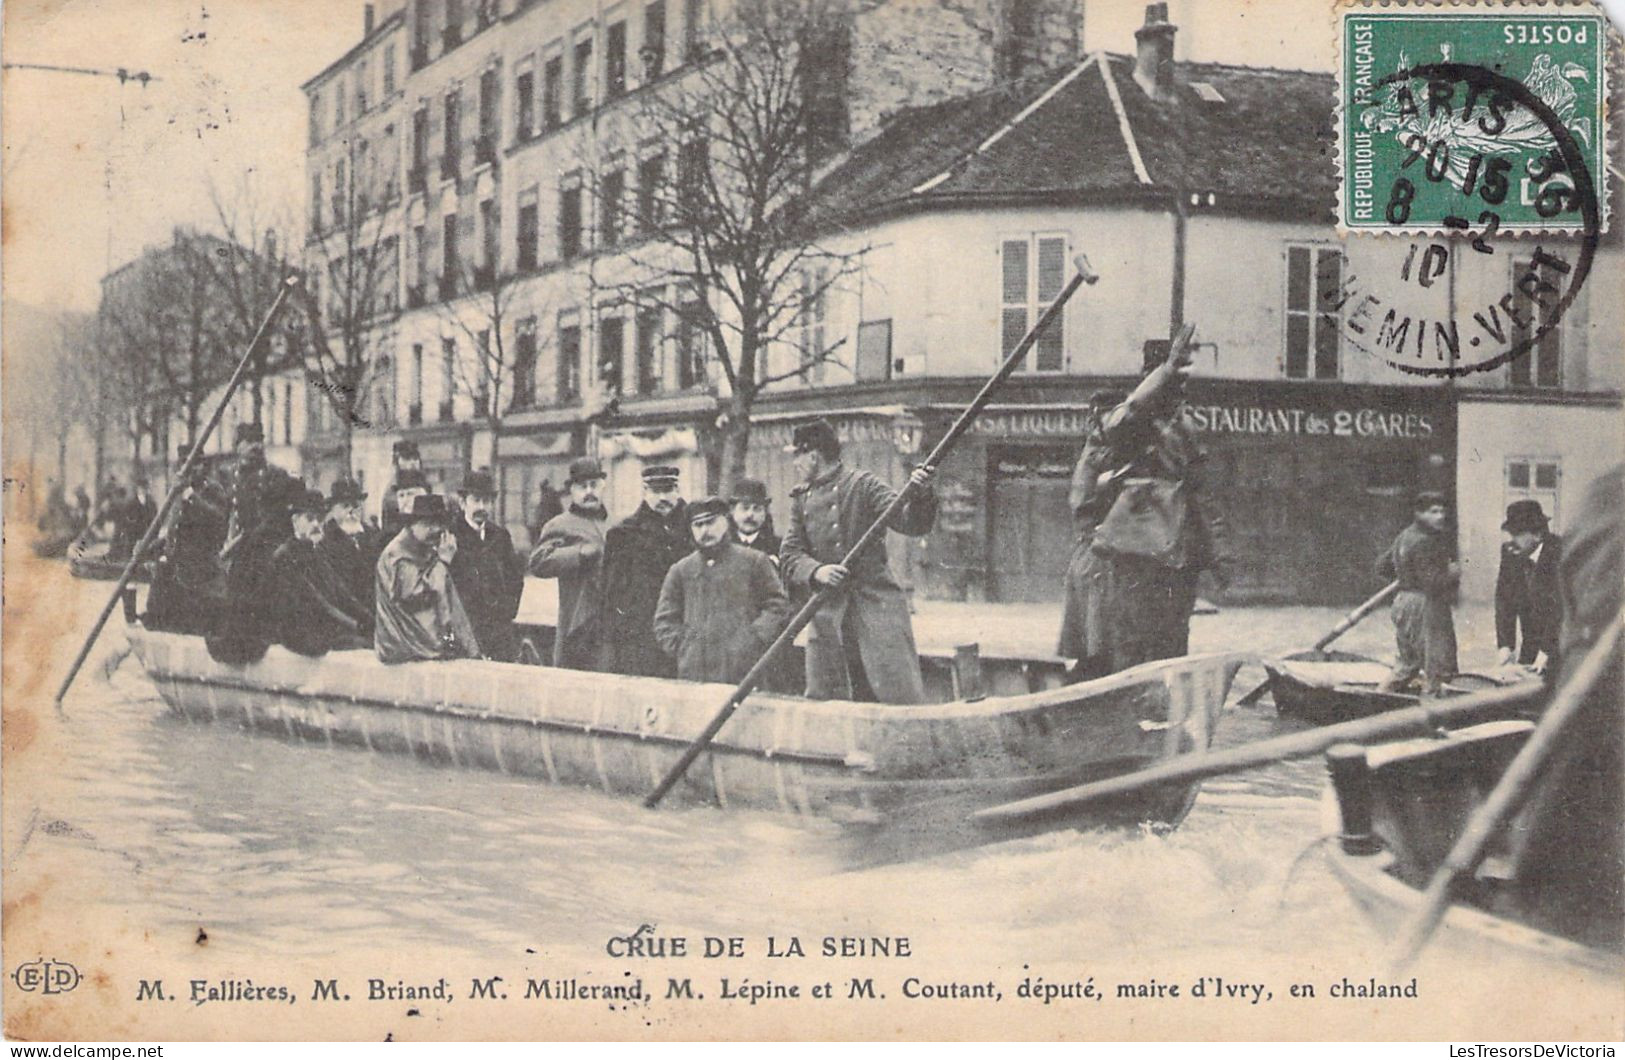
x=637, y=554
x=490, y=580
x=354, y=557
x=306, y=595
x=1529, y=595
x=869, y=615
x=718, y=612
x=571, y=549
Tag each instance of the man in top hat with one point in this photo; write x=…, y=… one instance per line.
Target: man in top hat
x=1528, y=593
x=637, y=554
x=409, y=485
x=753, y=518
x=721, y=605
x=351, y=548
x=571, y=549
x=404, y=458
x=861, y=642
x=420, y=615
x=310, y=610
x=1424, y=628
x=489, y=577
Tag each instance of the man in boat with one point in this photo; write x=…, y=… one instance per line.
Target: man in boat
x=861, y=642
x=251, y=480
x=408, y=486
x=189, y=580
x=1424, y=628
x=420, y=615
x=1084, y=632
x=1161, y=529
x=571, y=549
x=351, y=548
x=753, y=518
x=308, y=596
x=408, y=464
x=638, y=552
x=488, y=574
x=131, y=519
x=248, y=620
x=720, y=606
x=1528, y=596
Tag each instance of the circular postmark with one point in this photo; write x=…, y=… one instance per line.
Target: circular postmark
x=1471, y=295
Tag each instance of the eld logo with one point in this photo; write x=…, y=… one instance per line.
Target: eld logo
x=46, y=977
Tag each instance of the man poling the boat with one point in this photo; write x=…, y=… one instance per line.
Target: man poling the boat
x=720, y=606
x=189, y=580
x=1528, y=596
x=249, y=619
x=571, y=549
x=861, y=645
x=638, y=552
x=351, y=547
x=486, y=569
x=420, y=615
x=1424, y=629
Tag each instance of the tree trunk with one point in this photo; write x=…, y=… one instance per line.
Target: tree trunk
x=736, y=445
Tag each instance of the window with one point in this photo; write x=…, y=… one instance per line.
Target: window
x=363, y=176
x=414, y=412
x=338, y=105
x=693, y=15
x=581, y=78
x=415, y=295
x=315, y=120
x=611, y=350
x=1534, y=479
x=452, y=35
x=615, y=60
x=341, y=192
x=552, y=92
x=525, y=89
x=529, y=234
x=287, y=413
x=1314, y=276
x=316, y=202
x=651, y=174
x=654, y=40
x=690, y=345
x=1033, y=273
x=648, y=348
x=417, y=179
x=389, y=69
x=570, y=221
x=486, y=146
x=569, y=366
x=693, y=161
x=483, y=368
x=450, y=162
x=389, y=273
x=491, y=231
x=361, y=88
x=810, y=343
x=449, y=260
x=874, y=350
x=524, y=364
x=610, y=196
x=1541, y=365
x=382, y=392
x=448, y=378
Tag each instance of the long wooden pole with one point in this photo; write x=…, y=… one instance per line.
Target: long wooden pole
x=140, y=550
x=1420, y=720
x=1509, y=794
x=1350, y=620
x=876, y=530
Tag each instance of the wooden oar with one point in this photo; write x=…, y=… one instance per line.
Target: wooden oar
x=140, y=551
x=1350, y=620
x=874, y=533
x=1508, y=795
x=1418, y=720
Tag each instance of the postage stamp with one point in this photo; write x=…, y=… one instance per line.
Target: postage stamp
x=1452, y=118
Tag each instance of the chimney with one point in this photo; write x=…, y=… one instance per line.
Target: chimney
x=367, y=15
x=1154, y=53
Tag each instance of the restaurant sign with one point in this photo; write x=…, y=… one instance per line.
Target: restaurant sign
x=1212, y=418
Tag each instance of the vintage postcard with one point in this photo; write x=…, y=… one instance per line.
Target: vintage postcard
x=812, y=519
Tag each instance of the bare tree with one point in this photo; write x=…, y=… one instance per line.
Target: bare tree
x=248, y=271
x=725, y=243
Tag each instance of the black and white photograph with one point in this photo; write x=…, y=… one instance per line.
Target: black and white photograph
x=850, y=520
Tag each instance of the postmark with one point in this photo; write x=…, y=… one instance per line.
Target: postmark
x=1447, y=115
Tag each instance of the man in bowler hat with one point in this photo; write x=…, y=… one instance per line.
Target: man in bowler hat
x=753, y=518
x=487, y=572
x=638, y=552
x=861, y=643
x=571, y=549
x=1528, y=595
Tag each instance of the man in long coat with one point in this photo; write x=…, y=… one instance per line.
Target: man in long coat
x=189, y=580
x=1084, y=630
x=638, y=552
x=861, y=643
x=352, y=548
x=1528, y=592
x=420, y=616
x=720, y=606
x=307, y=595
x=1424, y=629
x=248, y=620
x=487, y=571
x=571, y=549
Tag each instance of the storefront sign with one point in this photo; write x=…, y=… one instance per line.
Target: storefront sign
x=1339, y=423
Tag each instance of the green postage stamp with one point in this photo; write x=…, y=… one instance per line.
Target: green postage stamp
x=1472, y=119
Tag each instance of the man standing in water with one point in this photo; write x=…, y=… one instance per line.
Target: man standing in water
x=861, y=643
x=1424, y=629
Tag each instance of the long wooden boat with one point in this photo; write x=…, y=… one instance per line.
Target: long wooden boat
x=88, y=558
x=1393, y=812
x=856, y=762
x=1342, y=686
